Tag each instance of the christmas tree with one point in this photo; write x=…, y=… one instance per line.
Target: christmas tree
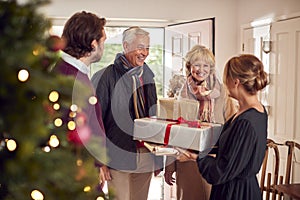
x=39, y=157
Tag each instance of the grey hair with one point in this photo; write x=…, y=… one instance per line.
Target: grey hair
x=130, y=34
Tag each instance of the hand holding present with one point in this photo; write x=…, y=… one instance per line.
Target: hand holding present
x=185, y=155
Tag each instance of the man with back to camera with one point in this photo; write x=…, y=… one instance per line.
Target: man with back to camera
x=84, y=37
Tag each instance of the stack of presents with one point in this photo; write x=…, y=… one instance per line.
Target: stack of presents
x=176, y=127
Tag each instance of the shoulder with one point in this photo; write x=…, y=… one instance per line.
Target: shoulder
x=65, y=68
x=252, y=119
x=148, y=71
x=253, y=115
x=104, y=72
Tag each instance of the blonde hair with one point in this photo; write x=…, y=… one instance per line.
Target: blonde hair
x=249, y=70
x=202, y=53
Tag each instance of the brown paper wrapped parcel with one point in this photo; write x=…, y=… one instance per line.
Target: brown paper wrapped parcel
x=171, y=108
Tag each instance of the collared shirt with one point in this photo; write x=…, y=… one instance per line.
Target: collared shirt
x=78, y=64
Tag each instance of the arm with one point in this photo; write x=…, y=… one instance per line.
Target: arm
x=101, y=91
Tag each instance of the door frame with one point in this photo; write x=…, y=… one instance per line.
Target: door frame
x=181, y=27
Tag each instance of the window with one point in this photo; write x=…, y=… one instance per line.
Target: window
x=113, y=45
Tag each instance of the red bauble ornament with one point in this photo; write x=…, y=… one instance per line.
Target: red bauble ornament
x=80, y=135
x=55, y=43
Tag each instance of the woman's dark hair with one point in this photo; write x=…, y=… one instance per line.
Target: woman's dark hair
x=79, y=32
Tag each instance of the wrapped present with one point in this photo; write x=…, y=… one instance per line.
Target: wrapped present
x=180, y=133
x=171, y=108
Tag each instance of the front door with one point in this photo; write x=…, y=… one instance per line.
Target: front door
x=179, y=39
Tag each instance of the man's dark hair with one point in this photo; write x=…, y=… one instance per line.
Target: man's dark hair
x=79, y=32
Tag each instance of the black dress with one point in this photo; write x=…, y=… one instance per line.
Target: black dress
x=240, y=153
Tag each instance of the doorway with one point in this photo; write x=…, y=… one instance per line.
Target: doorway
x=180, y=38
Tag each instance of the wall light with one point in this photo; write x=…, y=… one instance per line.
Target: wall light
x=267, y=46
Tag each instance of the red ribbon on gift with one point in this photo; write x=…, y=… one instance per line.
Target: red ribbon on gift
x=180, y=120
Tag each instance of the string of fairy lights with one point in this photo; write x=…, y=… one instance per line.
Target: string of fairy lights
x=42, y=137
x=53, y=142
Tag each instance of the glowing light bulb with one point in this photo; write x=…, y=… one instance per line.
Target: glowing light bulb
x=23, y=75
x=87, y=189
x=11, y=145
x=53, y=96
x=58, y=122
x=37, y=195
x=73, y=107
x=35, y=52
x=72, y=114
x=47, y=149
x=93, y=100
x=71, y=125
x=53, y=142
x=56, y=106
x=100, y=198
x=79, y=162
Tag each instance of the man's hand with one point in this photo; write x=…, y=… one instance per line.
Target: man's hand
x=104, y=175
x=169, y=177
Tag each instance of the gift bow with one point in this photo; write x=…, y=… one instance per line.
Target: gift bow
x=180, y=120
x=195, y=124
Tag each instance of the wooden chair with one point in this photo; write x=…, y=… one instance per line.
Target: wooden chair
x=291, y=151
x=267, y=185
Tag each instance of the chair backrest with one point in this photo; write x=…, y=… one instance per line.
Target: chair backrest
x=291, y=150
x=270, y=177
x=267, y=185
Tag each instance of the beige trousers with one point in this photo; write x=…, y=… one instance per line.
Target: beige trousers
x=133, y=185
x=190, y=183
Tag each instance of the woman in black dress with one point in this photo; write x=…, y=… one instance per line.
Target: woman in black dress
x=241, y=146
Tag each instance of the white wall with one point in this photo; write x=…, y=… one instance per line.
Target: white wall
x=172, y=11
x=260, y=9
x=257, y=10
x=229, y=15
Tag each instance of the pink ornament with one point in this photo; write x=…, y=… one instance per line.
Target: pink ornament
x=81, y=119
x=80, y=135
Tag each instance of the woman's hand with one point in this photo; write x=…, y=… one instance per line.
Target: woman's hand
x=185, y=155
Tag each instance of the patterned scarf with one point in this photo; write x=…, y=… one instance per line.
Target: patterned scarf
x=200, y=91
x=137, y=86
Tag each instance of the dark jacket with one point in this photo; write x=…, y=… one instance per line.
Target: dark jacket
x=114, y=89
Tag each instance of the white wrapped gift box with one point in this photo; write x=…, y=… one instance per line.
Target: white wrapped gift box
x=179, y=135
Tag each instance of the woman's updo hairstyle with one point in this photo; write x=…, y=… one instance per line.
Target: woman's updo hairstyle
x=249, y=70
